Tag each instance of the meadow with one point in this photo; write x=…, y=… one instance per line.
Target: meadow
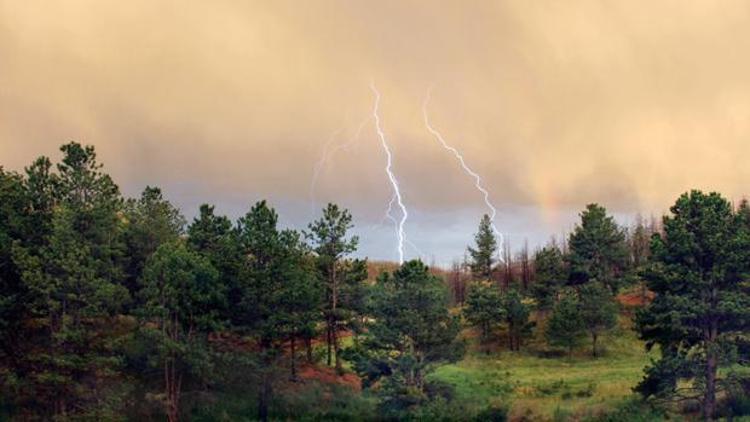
x=537, y=383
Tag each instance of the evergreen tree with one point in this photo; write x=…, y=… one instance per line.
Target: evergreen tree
x=484, y=308
x=597, y=249
x=483, y=255
x=565, y=326
x=96, y=208
x=699, y=317
x=409, y=334
x=13, y=203
x=329, y=239
x=301, y=309
x=73, y=275
x=77, y=306
x=278, y=292
x=26, y=209
x=517, y=317
x=551, y=275
x=598, y=311
x=181, y=300
x=151, y=222
x=212, y=236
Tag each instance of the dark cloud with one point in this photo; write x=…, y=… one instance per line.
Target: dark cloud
x=555, y=103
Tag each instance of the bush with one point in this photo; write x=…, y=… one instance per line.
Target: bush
x=630, y=411
x=737, y=402
x=493, y=413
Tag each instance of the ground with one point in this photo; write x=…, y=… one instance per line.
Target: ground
x=539, y=386
x=538, y=383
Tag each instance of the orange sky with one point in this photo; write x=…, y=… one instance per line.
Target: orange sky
x=556, y=104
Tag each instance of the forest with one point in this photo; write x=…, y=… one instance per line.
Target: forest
x=116, y=308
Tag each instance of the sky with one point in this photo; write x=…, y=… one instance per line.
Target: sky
x=555, y=104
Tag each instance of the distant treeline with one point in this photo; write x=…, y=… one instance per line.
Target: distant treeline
x=119, y=309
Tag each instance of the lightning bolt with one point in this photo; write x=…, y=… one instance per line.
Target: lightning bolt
x=391, y=176
x=328, y=154
x=467, y=170
x=390, y=217
x=319, y=166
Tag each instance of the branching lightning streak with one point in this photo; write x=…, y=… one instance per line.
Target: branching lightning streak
x=391, y=176
x=469, y=171
x=326, y=155
x=389, y=216
x=319, y=166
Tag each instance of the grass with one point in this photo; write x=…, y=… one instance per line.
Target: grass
x=550, y=388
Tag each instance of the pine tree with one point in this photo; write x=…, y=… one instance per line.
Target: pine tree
x=699, y=316
x=598, y=311
x=278, y=292
x=77, y=305
x=484, y=308
x=74, y=279
x=13, y=204
x=409, y=334
x=565, y=326
x=551, y=276
x=329, y=239
x=150, y=222
x=181, y=299
x=483, y=255
x=517, y=317
x=597, y=249
x=212, y=236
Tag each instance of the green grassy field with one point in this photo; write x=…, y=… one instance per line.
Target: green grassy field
x=547, y=388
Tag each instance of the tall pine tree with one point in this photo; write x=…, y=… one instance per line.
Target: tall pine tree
x=597, y=249
x=700, y=315
x=483, y=254
x=330, y=242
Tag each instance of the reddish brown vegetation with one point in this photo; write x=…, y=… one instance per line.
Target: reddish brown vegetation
x=327, y=375
x=636, y=298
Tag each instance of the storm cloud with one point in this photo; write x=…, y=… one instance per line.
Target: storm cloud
x=556, y=104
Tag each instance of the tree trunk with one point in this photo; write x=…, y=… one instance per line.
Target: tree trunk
x=337, y=351
x=709, y=401
x=294, y=359
x=309, y=349
x=328, y=341
x=711, y=335
x=709, y=398
x=594, y=337
x=263, y=398
x=334, y=319
x=173, y=414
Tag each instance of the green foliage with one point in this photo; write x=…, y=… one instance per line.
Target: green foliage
x=598, y=311
x=343, y=280
x=550, y=276
x=630, y=411
x=275, y=269
x=483, y=255
x=73, y=282
x=279, y=291
x=410, y=333
x=221, y=310
x=484, y=307
x=702, y=308
x=517, y=317
x=150, y=222
x=597, y=249
x=565, y=326
x=213, y=237
x=13, y=203
x=181, y=299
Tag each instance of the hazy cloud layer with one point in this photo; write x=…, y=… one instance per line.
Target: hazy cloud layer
x=556, y=104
